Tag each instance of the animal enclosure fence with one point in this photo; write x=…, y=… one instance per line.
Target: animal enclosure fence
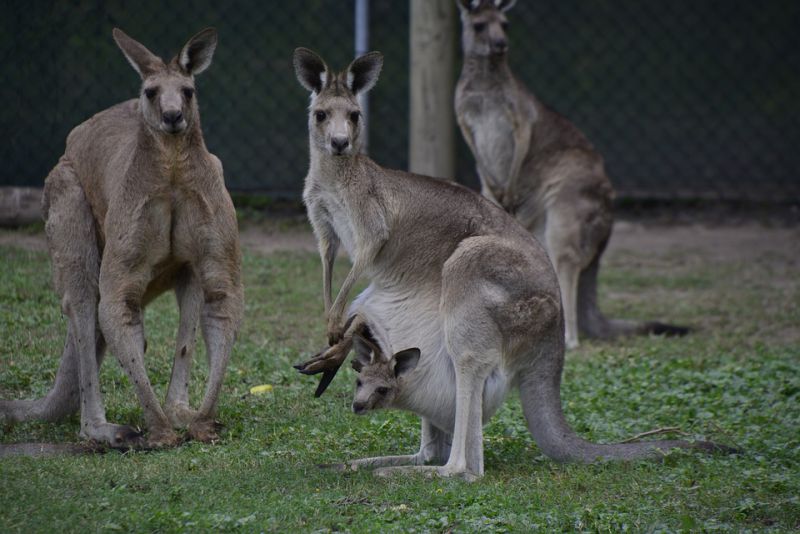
x=684, y=99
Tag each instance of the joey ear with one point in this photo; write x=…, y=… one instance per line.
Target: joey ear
x=504, y=5
x=363, y=72
x=310, y=69
x=140, y=58
x=196, y=54
x=405, y=361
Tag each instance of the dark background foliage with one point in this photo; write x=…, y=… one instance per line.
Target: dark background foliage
x=685, y=99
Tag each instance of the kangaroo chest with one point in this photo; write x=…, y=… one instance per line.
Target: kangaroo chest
x=337, y=215
x=492, y=125
x=170, y=224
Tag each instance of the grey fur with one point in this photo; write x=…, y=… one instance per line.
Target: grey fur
x=452, y=275
x=540, y=168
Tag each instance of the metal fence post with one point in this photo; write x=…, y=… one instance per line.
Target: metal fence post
x=362, y=47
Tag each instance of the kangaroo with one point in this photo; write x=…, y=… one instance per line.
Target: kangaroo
x=137, y=206
x=540, y=168
x=451, y=275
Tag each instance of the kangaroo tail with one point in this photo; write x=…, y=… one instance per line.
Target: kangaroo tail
x=592, y=322
x=541, y=403
x=62, y=400
x=39, y=450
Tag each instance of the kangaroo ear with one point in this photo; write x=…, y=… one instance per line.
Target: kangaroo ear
x=504, y=5
x=469, y=5
x=196, y=54
x=310, y=69
x=363, y=72
x=405, y=361
x=366, y=352
x=140, y=58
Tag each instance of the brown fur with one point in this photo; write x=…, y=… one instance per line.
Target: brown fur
x=137, y=206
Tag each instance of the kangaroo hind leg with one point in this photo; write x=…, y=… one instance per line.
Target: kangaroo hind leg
x=189, y=294
x=75, y=256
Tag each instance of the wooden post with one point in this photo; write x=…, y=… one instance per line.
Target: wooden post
x=432, y=45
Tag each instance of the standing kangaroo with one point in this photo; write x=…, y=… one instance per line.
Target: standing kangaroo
x=136, y=206
x=540, y=168
x=451, y=274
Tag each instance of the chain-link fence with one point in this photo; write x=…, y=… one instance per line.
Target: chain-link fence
x=684, y=99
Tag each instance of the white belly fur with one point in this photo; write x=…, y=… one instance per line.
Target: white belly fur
x=404, y=320
x=494, y=143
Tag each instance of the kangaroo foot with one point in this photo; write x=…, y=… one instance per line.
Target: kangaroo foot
x=116, y=436
x=204, y=430
x=162, y=438
x=180, y=415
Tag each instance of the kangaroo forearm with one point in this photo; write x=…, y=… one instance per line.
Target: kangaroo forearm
x=336, y=310
x=327, y=276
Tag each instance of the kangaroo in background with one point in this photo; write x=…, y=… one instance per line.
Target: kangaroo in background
x=451, y=275
x=540, y=168
x=137, y=206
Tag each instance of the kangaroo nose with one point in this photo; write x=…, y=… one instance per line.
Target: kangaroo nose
x=358, y=407
x=339, y=144
x=500, y=45
x=172, y=117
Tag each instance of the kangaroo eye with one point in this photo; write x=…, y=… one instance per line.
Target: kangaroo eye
x=479, y=27
x=382, y=391
x=320, y=115
x=150, y=93
x=188, y=93
x=504, y=25
x=354, y=117
x=358, y=383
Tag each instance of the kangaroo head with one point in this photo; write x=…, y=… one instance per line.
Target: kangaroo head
x=334, y=120
x=379, y=378
x=167, y=99
x=484, y=26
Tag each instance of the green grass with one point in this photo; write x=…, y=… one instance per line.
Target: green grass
x=736, y=380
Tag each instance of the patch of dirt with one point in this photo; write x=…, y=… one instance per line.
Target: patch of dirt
x=738, y=243
x=717, y=243
x=266, y=239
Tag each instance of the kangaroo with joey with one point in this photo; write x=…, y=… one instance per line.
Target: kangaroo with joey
x=452, y=275
x=137, y=206
x=540, y=168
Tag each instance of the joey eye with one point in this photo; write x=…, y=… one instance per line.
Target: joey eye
x=358, y=382
x=382, y=391
x=188, y=93
x=150, y=93
x=479, y=27
x=320, y=116
x=354, y=117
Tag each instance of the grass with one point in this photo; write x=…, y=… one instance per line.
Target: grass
x=736, y=380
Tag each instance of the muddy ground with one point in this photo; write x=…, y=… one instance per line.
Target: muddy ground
x=740, y=242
